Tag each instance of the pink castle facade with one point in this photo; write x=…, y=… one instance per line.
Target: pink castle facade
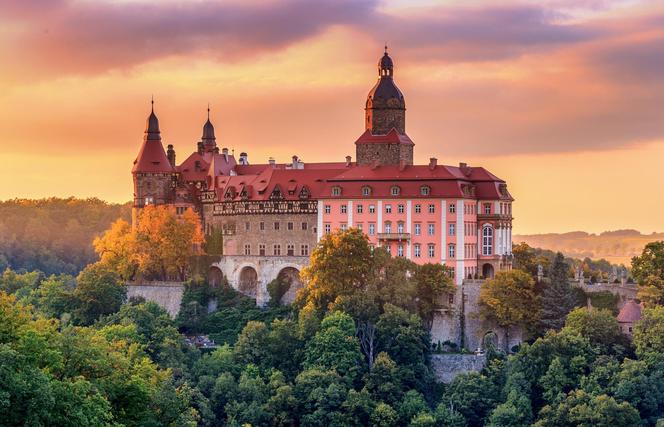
x=272, y=215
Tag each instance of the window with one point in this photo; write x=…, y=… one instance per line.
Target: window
x=366, y=191
x=487, y=240
x=247, y=249
x=290, y=249
x=359, y=209
x=418, y=208
x=388, y=208
x=372, y=229
x=452, y=208
x=417, y=250
x=432, y=250
x=149, y=200
x=247, y=226
x=305, y=226
x=336, y=191
x=328, y=228
x=179, y=210
x=432, y=208
x=328, y=209
x=344, y=226
x=372, y=209
x=277, y=250
x=418, y=228
x=452, y=229
x=276, y=225
x=400, y=227
x=399, y=250
x=425, y=190
x=431, y=228
x=451, y=251
x=261, y=249
x=400, y=208
x=289, y=226
x=395, y=190
x=344, y=208
x=359, y=226
x=261, y=226
x=304, y=250
x=388, y=227
x=388, y=248
x=487, y=208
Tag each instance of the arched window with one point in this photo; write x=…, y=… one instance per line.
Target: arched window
x=487, y=240
x=336, y=191
x=425, y=190
x=366, y=191
x=395, y=190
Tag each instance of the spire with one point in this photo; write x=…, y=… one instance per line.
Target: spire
x=152, y=124
x=152, y=157
x=385, y=65
x=208, y=138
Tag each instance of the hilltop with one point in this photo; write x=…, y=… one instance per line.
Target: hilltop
x=617, y=247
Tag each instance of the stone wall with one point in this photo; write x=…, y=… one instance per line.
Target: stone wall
x=385, y=154
x=626, y=292
x=167, y=294
x=447, y=366
x=462, y=324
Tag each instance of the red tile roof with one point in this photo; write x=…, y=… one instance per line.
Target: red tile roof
x=630, y=313
x=152, y=158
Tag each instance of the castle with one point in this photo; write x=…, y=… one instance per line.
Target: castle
x=272, y=215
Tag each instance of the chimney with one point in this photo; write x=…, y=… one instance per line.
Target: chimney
x=433, y=162
x=244, y=160
x=171, y=155
x=224, y=151
x=402, y=164
x=272, y=162
x=200, y=147
x=294, y=164
x=348, y=161
x=216, y=150
x=464, y=169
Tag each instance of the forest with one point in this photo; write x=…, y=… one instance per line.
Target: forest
x=353, y=349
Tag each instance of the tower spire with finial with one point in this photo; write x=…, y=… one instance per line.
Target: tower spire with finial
x=152, y=103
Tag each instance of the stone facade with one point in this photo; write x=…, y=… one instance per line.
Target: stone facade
x=382, y=118
x=447, y=366
x=151, y=188
x=384, y=154
x=167, y=294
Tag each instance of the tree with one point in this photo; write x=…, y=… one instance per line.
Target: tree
x=600, y=327
x=432, y=281
x=340, y=265
x=648, y=337
x=98, y=292
x=583, y=410
x=117, y=249
x=473, y=395
x=516, y=411
x=648, y=270
x=335, y=347
x=384, y=416
x=557, y=298
x=509, y=299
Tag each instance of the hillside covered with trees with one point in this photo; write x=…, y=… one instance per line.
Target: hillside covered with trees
x=353, y=349
x=54, y=235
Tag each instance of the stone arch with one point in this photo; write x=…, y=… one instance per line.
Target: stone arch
x=490, y=340
x=487, y=271
x=247, y=282
x=290, y=275
x=215, y=277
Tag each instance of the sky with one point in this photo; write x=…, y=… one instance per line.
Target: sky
x=563, y=99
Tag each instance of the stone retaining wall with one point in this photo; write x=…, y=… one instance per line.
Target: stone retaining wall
x=447, y=366
x=167, y=294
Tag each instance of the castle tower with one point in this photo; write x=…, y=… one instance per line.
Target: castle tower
x=152, y=171
x=384, y=140
x=208, y=139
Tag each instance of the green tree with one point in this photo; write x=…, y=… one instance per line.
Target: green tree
x=384, y=416
x=648, y=270
x=600, y=327
x=446, y=416
x=648, y=334
x=510, y=300
x=516, y=411
x=98, y=292
x=432, y=281
x=557, y=297
x=473, y=395
x=583, y=410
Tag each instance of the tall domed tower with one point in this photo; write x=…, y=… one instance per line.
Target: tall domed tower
x=385, y=140
x=152, y=171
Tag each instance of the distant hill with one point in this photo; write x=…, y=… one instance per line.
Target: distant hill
x=617, y=247
x=53, y=235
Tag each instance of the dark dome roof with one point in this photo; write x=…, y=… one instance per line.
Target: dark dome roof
x=385, y=89
x=152, y=126
x=208, y=131
x=385, y=61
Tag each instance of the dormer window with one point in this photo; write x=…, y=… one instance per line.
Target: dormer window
x=395, y=190
x=425, y=190
x=366, y=191
x=197, y=165
x=336, y=191
x=304, y=193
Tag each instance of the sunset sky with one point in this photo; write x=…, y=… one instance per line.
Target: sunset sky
x=564, y=99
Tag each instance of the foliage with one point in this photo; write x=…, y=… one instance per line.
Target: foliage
x=53, y=235
x=583, y=410
x=604, y=301
x=277, y=288
x=159, y=247
x=98, y=292
x=600, y=327
x=510, y=300
x=649, y=333
x=557, y=298
x=648, y=270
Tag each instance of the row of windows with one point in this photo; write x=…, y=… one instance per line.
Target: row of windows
x=277, y=226
x=276, y=249
x=395, y=190
x=359, y=208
